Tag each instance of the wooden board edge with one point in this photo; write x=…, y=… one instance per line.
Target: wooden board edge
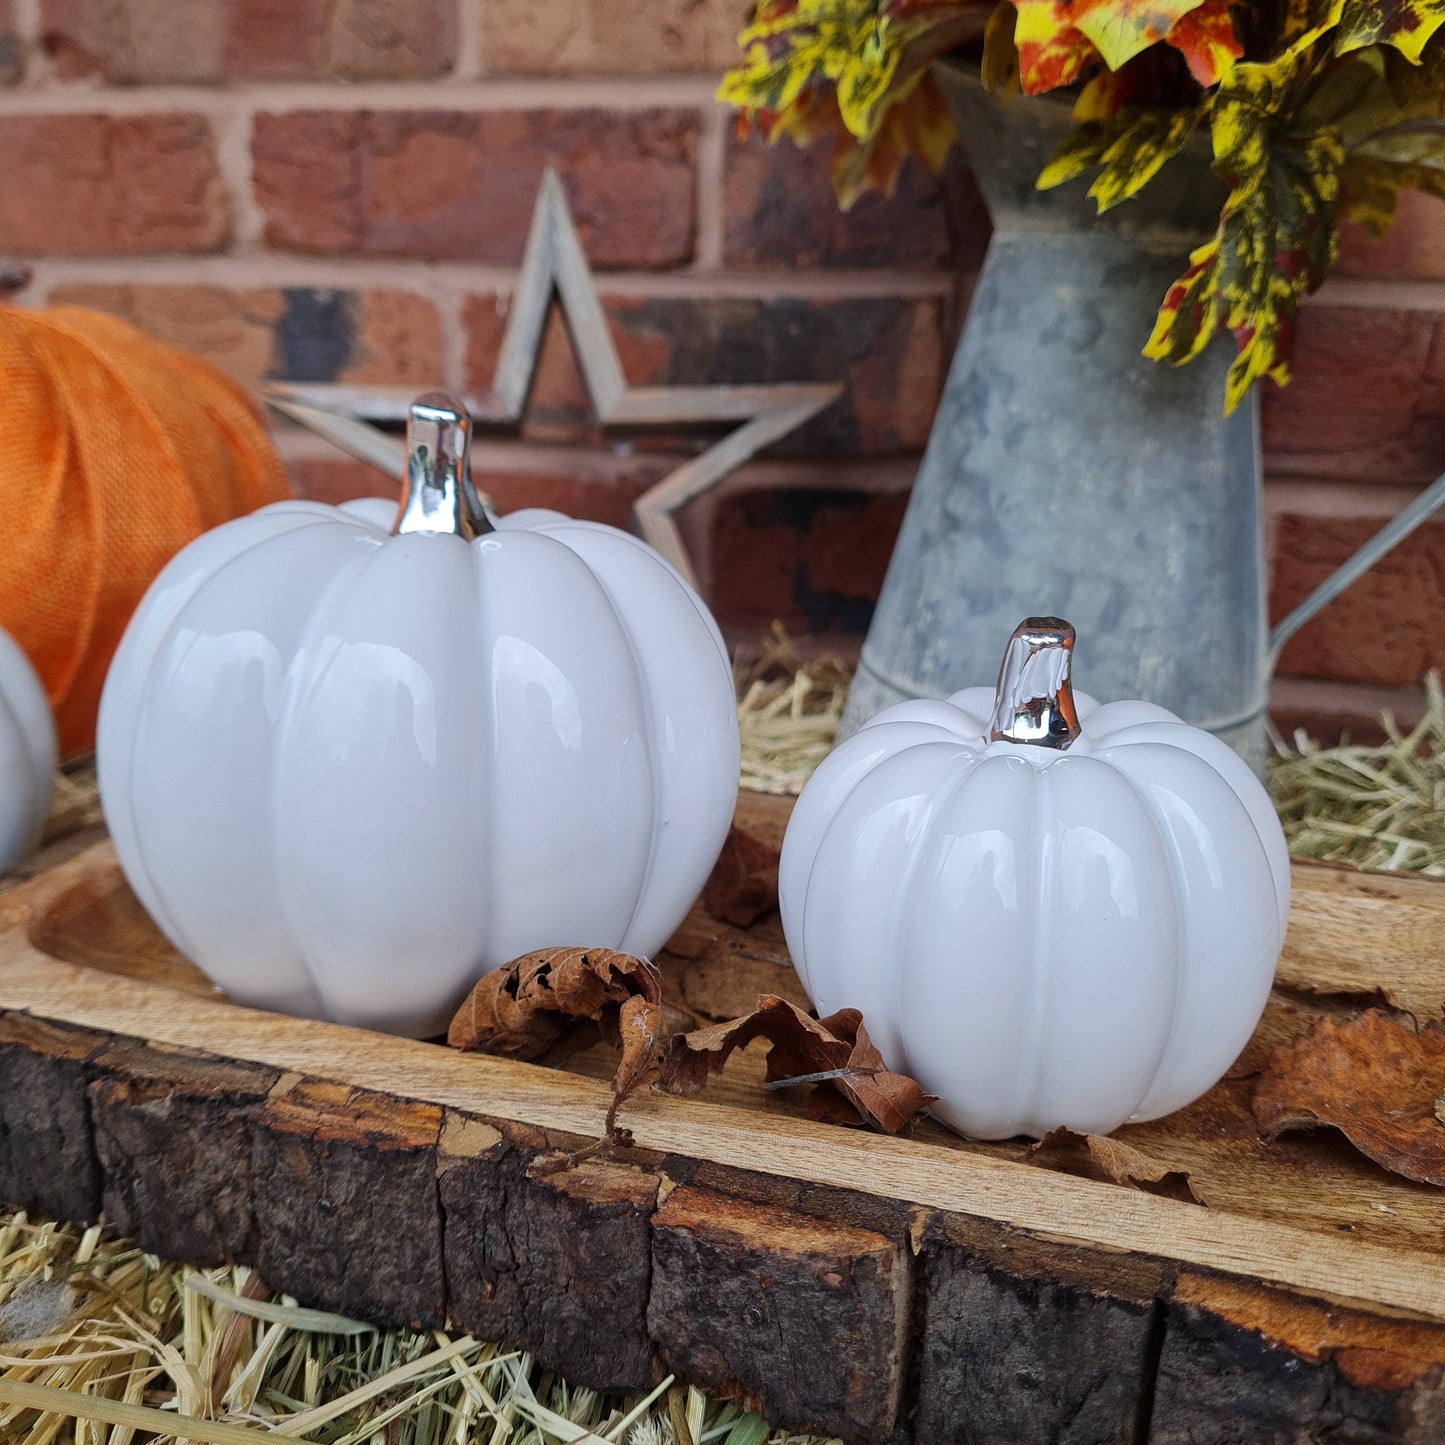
x=1020, y=1196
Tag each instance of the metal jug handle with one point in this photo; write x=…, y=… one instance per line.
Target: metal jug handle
x=1389, y=536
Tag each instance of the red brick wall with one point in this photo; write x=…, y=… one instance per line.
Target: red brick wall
x=339, y=190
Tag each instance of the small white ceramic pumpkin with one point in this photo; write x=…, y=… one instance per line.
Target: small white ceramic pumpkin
x=1051, y=913
x=27, y=754
x=350, y=766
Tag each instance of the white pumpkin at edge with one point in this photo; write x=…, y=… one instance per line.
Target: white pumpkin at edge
x=1048, y=917
x=349, y=769
x=27, y=754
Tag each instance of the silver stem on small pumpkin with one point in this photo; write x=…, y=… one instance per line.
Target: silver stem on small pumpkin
x=438, y=495
x=1035, y=699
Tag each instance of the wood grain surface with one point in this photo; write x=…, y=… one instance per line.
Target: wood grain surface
x=840, y=1280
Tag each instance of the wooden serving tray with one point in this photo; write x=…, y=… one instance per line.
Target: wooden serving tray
x=838, y=1280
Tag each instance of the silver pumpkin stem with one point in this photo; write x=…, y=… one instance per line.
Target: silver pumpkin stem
x=439, y=496
x=1035, y=699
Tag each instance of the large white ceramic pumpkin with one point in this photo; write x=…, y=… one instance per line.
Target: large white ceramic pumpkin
x=1050, y=912
x=27, y=753
x=349, y=767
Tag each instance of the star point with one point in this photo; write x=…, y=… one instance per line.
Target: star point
x=555, y=271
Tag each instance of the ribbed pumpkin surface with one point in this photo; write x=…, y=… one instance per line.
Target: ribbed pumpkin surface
x=115, y=451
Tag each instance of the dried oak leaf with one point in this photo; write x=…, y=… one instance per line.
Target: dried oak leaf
x=559, y=998
x=834, y=1053
x=743, y=885
x=525, y=1008
x=1096, y=1156
x=1372, y=1078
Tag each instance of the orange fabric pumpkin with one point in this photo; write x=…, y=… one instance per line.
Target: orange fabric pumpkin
x=115, y=451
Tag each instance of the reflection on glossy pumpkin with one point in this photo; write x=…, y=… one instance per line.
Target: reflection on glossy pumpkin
x=348, y=771
x=115, y=451
x=27, y=754
x=1051, y=913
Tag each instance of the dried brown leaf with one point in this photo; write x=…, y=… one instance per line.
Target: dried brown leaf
x=1374, y=1079
x=525, y=1008
x=1097, y=1156
x=833, y=1053
x=640, y=1036
x=743, y=885
x=535, y=1005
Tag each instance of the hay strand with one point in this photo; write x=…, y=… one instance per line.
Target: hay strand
x=789, y=708
x=1376, y=807
x=94, y=1334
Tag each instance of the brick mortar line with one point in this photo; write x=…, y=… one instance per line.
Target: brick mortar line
x=25, y=19
x=499, y=93
x=880, y=474
x=467, y=63
x=233, y=160
x=1327, y=498
x=1367, y=699
x=1380, y=294
x=453, y=339
x=260, y=268
x=711, y=173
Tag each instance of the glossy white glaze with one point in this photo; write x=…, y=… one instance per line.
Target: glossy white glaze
x=1041, y=938
x=27, y=754
x=347, y=773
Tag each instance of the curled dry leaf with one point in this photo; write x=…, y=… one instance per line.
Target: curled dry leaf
x=834, y=1053
x=1097, y=1156
x=743, y=885
x=565, y=998
x=1374, y=1079
x=525, y=1008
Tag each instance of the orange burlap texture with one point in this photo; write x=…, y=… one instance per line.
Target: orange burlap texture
x=115, y=451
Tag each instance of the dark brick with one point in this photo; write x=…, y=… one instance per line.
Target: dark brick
x=781, y=211
x=888, y=351
x=602, y=490
x=379, y=337
x=814, y=558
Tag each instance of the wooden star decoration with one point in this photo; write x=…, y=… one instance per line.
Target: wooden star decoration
x=554, y=265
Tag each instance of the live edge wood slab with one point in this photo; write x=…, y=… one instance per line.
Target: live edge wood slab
x=840, y=1281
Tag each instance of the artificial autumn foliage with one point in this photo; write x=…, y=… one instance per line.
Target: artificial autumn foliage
x=115, y=451
x=1314, y=110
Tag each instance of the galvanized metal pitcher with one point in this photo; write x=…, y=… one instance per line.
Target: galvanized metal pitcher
x=1067, y=474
